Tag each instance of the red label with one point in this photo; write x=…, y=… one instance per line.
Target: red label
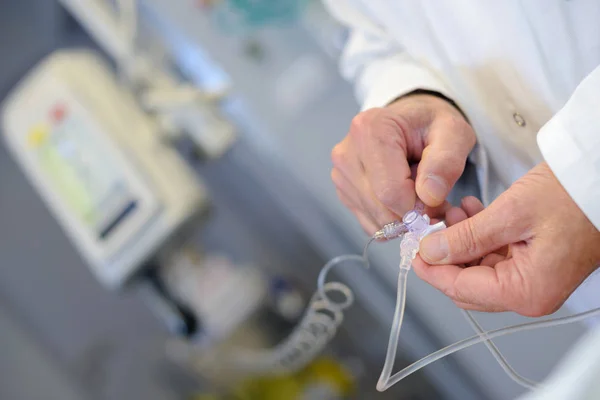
x=58, y=113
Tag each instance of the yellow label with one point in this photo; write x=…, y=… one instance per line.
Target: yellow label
x=38, y=135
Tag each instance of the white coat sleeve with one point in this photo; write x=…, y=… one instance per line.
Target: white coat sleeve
x=576, y=376
x=377, y=63
x=570, y=144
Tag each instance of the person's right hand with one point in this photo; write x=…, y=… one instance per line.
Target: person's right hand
x=419, y=138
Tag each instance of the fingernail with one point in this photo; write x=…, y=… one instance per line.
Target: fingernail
x=435, y=187
x=434, y=248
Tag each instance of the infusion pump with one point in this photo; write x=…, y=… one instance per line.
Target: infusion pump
x=118, y=189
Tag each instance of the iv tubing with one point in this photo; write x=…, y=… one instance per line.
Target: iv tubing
x=337, y=260
x=316, y=328
x=414, y=226
x=409, y=248
x=384, y=379
x=327, y=315
x=514, y=375
x=488, y=335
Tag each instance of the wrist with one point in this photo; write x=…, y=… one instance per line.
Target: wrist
x=588, y=233
x=432, y=96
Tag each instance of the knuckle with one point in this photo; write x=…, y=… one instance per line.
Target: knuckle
x=345, y=201
x=380, y=125
x=335, y=177
x=453, y=164
x=386, y=194
x=456, y=123
x=339, y=154
x=386, y=135
x=363, y=120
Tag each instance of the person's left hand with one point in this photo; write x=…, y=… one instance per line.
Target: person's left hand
x=527, y=252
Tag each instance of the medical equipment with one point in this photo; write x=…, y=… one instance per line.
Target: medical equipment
x=220, y=293
x=118, y=190
x=101, y=151
x=181, y=109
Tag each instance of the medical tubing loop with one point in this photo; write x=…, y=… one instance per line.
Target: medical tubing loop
x=332, y=263
x=317, y=327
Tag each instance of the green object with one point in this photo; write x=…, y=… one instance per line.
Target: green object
x=241, y=16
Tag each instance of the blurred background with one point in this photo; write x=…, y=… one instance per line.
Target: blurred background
x=165, y=200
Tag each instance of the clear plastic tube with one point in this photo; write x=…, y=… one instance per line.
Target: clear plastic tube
x=488, y=335
x=413, y=228
x=416, y=227
x=324, y=315
x=325, y=270
x=316, y=329
x=384, y=379
x=514, y=375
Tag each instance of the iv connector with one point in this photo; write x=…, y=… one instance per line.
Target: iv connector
x=412, y=222
x=391, y=231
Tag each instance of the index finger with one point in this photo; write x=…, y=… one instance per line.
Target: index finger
x=448, y=143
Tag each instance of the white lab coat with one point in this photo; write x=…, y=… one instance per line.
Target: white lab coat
x=525, y=72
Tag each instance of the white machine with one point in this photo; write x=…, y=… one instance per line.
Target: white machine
x=117, y=189
x=98, y=144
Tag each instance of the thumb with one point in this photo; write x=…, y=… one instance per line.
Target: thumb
x=475, y=237
x=448, y=143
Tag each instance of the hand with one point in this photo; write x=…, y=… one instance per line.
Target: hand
x=531, y=248
x=375, y=166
